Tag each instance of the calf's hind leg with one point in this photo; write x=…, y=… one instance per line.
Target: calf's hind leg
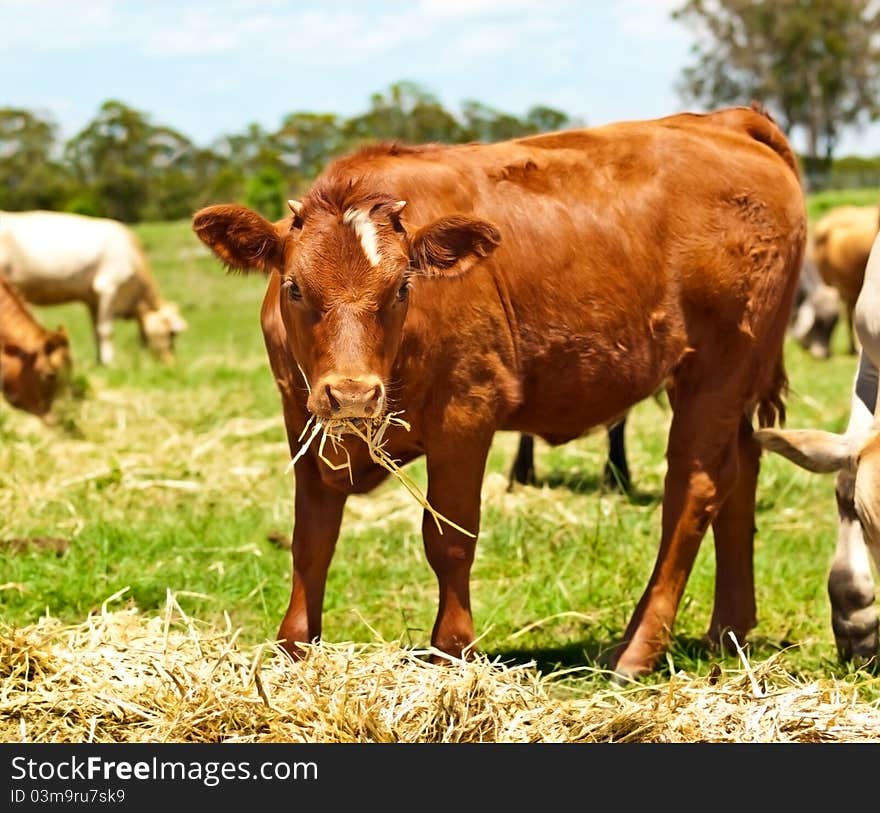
x=733, y=530
x=701, y=472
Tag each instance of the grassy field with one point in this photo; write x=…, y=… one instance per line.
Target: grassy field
x=821, y=202
x=173, y=479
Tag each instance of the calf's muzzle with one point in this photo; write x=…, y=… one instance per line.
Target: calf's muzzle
x=338, y=396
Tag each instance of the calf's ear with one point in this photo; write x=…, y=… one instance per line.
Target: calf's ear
x=241, y=238
x=56, y=340
x=452, y=245
x=811, y=449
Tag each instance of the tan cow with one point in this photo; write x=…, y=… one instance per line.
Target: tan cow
x=542, y=285
x=34, y=362
x=841, y=241
x=54, y=257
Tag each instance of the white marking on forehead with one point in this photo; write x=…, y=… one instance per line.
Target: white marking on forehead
x=365, y=230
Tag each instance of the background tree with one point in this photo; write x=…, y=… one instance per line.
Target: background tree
x=123, y=163
x=31, y=177
x=545, y=119
x=814, y=63
x=406, y=112
x=484, y=123
x=251, y=169
x=171, y=181
x=306, y=142
x=125, y=166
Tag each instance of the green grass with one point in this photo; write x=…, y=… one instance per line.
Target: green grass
x=821, y=202
x=172, y=479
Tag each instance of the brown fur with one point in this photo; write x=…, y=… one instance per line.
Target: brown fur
x=17, y=323
x=33, y=360
x=556, y=280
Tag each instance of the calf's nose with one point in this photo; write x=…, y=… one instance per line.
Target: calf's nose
x=353, y=397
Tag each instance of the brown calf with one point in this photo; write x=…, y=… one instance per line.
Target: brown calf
x=542, y=285
x=34, y=362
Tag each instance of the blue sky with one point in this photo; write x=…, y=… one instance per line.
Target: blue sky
x=210, y=68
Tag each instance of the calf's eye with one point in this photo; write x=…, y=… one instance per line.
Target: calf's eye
x=293, y=291
x=403, y=291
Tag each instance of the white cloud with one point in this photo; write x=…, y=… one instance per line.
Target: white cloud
x=484, y=8
x=189, y=41
x=318, y=34
x=590, y=58
x=55, y=24
x=342, y=37
x=358, y=34
x=648, y=20
x=488, y=39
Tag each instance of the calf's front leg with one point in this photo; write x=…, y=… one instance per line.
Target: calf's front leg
x=455, y=476
x=317, y=519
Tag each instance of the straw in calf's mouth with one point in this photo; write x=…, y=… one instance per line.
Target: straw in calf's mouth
x=372, y=432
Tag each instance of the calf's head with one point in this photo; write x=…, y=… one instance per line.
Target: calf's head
x=32, y=379
x=346, y=268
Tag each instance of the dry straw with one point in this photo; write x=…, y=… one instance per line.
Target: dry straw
x=121, y=676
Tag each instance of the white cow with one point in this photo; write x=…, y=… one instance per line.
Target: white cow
x=55, y=257
x=855, y=456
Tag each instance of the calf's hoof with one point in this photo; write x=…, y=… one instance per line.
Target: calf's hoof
x=630, y=663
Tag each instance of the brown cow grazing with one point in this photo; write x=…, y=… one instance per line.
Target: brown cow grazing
x=541, y=285
x=34, y=362
x=840, y=244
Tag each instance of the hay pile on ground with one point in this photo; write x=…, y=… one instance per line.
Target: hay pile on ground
x=124, y=677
